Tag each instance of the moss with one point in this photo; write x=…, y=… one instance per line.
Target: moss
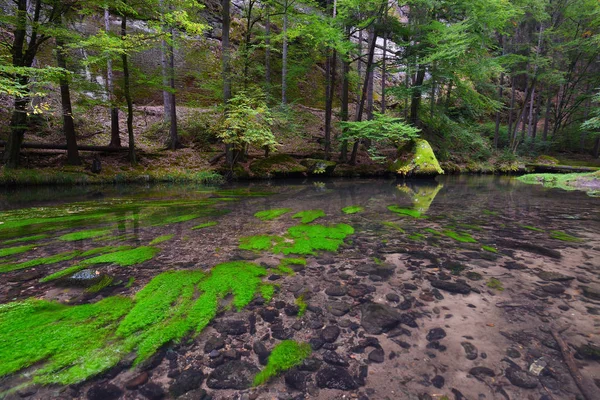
x=474, y=276
x=491, y=213
x=422, y=197
x=433, y=231
x=302, y=306
x=588, y=182
x=259, y=242
x=546, y=160
x=495, y=284
x=405, y=211
x=104, y=282
x=242, y=192
x=33, y=238
x=532, y=228
x=279, y=165
x=417, y=236
x=318, y=167
x=285, y=355
x=489, y=248
x=393, y=226
x=161, y=239
x=565, y=237
x=176, y=219
x=352, y=209
x=269, y=215
x=205, y=225
x=130, y=282
x=460, y=237
x=417, y=158
x=309, y=215
x=267, y=292
x=81, y=235
x=9, y=251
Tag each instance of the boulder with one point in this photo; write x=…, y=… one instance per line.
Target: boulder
x=416, y=158
x=318, y=167
x=377, y=318
x=280, y=165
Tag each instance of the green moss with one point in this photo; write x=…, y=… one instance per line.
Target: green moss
x=393, y=225
x=491, y=213
x=309, y=215
x=161, y=239
x=490, y=249
x=81, y=235
x=418, y=158
x=269, y=215
x=175, y=219
x=460, y=237
x=433, y=231
x=259, y=242
x=205, y=225
x=417, y=236
x=279, y=165
x=405, y=211
x=26, y=239
x=532, y=228
x=588, y=182
x=267, y=292
x=421, y=197
x=104, y=282
x=9, y=251
x=301, y=303
x=285, y=355
x=130, y=282
x=565, y=237
x=352, y=209
x=546, y=160
x=495, y=284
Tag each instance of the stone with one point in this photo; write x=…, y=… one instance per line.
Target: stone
x=436, y=334
x=377, y=318
x=296, y=379
x=269, y=314
x=336, y=291
x=214, y=343
x=104, y=391
x=591, y=292
x=261, y=351
x=438, y=381
x=316, y=343
x=136, y=381
x=310, y=364
x=470, y=350
x=333, y=358
x=480, y=372
x=377, y=356
x=554, y=276
x=330, y=333
x=338, y=378
x=235, y=374
x=338, y=309
x=512, y=265
x=555, y=289
x=232, y=327
x=521, y=378
x=392, y=297
x=452, y=287
x=190, y=379
x=152, y=391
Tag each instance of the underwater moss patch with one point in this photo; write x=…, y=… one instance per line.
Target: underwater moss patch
x=9, y=251
x=267, y=292
x=495, y=284
x=125, y=258
x=405, y=211
x=393, y=226
x=301, y=303
x=532, y=228
x=259, y=242
x=74, y=343
x=490, y=249
x=565, y=237
x=460, y=237
x=285, y=355
x=205, y=225
x=161, y=239
x=104, y=282
x=32, y=238
x=417, y=236
x=588, y=182
x=352, y=209
x=81, y=235
x=309, y=216
x=269, y=215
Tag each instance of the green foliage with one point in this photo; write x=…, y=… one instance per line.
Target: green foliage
x=285, y=355
x=268, y=215
x=352, y=209
x=247, y=122
x=301, y=303
x=309, y=216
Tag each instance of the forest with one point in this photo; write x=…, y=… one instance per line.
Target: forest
x=491, y=84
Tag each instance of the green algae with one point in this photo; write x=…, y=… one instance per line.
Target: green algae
x=259, y=242
x=72, y=343
x=433, y=231
x=9, y=251
x=26, y=239
x=269, y=215
x=205, y=225
x=267, y=292
x=82, y=235
x=490, y=213
x=352, y=209
x=309, y=216
x=286, y=355
x=495, y=284
x=417, y=236
x=565, y=237
x=460, y=237
x=405, y=211
x=104, y=282
x=161, y=239
x=393, y=226
x=532, y=228
x=489, y=248
x=302, y=306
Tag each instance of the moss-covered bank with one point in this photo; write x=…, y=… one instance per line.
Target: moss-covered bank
x=587, y=182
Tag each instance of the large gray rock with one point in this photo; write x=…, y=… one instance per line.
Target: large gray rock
x=377, y=318
x=232, y=375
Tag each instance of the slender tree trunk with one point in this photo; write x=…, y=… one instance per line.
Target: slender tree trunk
x=530, y=119
x=432, y=94
x=370, y=87
x=174, y=142
x=127, y=92
x=67, y=110
x=384, y=72
x=497, y=130
x=164, y=62
x=536, y=115
x=246, y=47
x=449, y=95
x=416, y=95
x=586, y=114
x=115, y=137
x=547, y=116
x=284, y=61
x=344, y=114
x=226, y=69
x=596, y=150
x=268, y=50
x=512, y=105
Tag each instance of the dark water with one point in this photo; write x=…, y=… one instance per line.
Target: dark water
x=467, y=227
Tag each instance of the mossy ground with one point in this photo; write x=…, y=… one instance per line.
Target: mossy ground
x=285, y=355
x=565, y=237
x=82, y=235
x=495, y=284
x=588, y=182
x=73, y=343
x=9, y=251
x=269, y=215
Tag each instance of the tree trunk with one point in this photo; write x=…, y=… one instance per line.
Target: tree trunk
x=536, y=115
x=383, y=73
x=547, y=116
x=226, y=4
x=268, y=50
x=416, y=95
x=497, y=130
x=115, y=138
x=596, y=150
x=449, y=95
x=432, y=94
x=284, y=60
x=344, y=114
x=246, y=46
x=530, y=118
x=174, y=141
x=512, y=106
x=127, y=92
x=67, y=110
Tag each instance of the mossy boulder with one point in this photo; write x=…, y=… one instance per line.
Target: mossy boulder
x=280, y=165
x=546, y=160
x=416, y=158
x=318, y=167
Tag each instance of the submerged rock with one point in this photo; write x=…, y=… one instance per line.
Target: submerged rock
x=377, y=318
x=554, y=276
x=591, y=292
x=189, y=380
x=453, y=287
x=335, y=378
x=521, y=378
x=106, y=391
x=232, y=375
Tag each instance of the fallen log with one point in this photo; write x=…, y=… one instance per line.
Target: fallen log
x=44, y=146
x=587, y=388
